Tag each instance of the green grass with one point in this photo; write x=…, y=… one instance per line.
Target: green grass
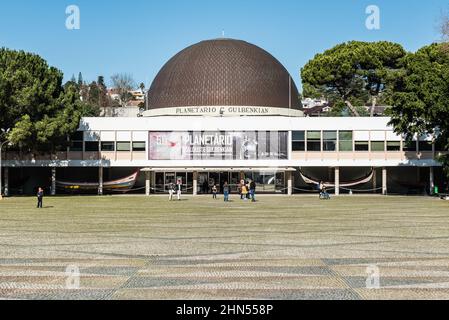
x=140, y=247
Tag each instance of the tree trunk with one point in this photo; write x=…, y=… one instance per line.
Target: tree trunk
x=373, y=106
x=351, y=107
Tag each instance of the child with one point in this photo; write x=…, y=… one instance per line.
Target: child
x=244, y=192
x=214, y=192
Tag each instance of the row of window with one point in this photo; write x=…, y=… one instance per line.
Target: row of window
x=311, y=141
x=95, y=146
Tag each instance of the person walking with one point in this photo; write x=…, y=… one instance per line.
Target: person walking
x=226, y=191
x=214, y=192
x=252, y=191
x=40, y=197
x=171, y=190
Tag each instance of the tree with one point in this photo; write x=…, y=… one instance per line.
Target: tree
x=353, y=73
x=123, y=83
x=34, y=104
x=444, y=31
x=80, y=79
x=420, y=96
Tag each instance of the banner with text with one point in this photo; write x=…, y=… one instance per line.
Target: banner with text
x=220, y=145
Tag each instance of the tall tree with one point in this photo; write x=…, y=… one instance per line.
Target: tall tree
x=34, y=104
x=80, y=79
x=123, y=83
x=353, y=73
x=420, y=96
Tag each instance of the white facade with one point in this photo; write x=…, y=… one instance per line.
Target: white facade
x=137, y=129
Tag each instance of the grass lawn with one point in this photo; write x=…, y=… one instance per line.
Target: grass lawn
x=133, y=247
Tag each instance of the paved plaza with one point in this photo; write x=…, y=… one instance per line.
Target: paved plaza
x=133, y=247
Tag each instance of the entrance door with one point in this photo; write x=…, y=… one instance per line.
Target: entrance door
x=203, y=183
x=214, y=179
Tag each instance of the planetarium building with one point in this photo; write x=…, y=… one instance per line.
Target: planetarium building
x=222, y=111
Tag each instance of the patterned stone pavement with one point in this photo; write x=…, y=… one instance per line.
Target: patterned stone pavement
x=277, y=248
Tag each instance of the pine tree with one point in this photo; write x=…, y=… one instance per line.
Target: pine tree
x=80, y=79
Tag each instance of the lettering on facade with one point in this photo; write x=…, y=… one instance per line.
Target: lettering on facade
x=222, y=110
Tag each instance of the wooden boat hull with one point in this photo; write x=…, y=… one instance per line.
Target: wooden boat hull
x=122, y=185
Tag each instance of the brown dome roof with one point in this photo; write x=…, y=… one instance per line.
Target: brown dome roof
x=223, y=72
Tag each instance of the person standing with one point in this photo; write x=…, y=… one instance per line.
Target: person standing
x=40, y=197
x=179, y=189
x=226, y=191
x=214, y=192
x=171, y=190
x=252, y=191
x=241, y=184
x=320, y=188
x=247, y=190
x=244, y=192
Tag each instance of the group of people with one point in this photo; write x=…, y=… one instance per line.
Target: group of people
x=174, y=189
x=246, y=189
x=324, y=195
x=226, y=191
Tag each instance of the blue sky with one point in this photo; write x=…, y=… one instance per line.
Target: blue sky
x=139, y=36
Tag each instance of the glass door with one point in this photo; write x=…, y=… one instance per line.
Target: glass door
x=170, y=177
x=159, y=185
x=203, y=183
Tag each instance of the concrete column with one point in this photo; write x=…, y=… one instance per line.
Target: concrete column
x=147, y=183
x=100, y=181
x=6, y=173
x=384, y=181
x=53, y=182
x=289, y=183
x=431, y=181
x=374, y=180
x=337, y=181
x=195, y=183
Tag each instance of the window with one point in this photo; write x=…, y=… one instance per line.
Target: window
x=361, y=146
x=139, y=146
x=76, y=146
x=107, y=146
x=377, y=146
x=123, y=146
x=91, y=146
x=345, y=143
x=313, y=140
x=298, y=141
x=410, y=146
x=425, y=146
x=329, y=140
x=393, y=146
x=76, y=141
x=77, y=136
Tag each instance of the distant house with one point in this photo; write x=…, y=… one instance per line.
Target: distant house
x=132, y=108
